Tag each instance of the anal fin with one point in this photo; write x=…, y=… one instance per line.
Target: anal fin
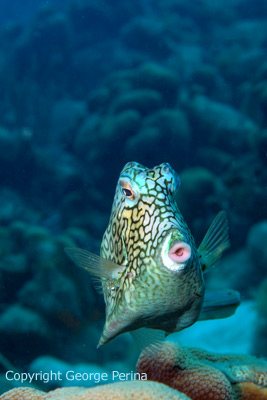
x=149, y=340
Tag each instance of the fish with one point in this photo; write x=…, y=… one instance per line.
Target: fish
x=149, y=270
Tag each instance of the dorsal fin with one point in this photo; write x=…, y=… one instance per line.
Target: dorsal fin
x=101, y=269
x=215, y=242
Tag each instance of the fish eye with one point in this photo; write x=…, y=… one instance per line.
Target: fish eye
x=166, y=168
x=127, y=190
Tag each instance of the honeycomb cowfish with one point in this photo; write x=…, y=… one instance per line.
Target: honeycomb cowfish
x=149, y=268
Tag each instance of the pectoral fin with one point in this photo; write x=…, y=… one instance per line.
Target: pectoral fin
x=215, y=242
x=105, y=271
x=219, y=304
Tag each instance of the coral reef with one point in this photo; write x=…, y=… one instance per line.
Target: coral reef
x=202, y=375
x=117, y=391
x=45, y=301
x=87, y=87
x=173, y=372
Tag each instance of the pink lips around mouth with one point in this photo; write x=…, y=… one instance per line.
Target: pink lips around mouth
x=180, y=252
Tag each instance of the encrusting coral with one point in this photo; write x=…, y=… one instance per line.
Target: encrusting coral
x=202, y=375
x=174, y=373
x=132, y=390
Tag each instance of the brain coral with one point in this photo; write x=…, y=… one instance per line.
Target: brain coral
x=132, y=390
x=202, y=375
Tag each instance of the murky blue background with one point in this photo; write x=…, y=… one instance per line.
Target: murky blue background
x=87, y=86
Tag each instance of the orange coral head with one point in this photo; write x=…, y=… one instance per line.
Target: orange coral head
x=177, y=367
x=250, y=391
x=202, y=375
x=131, y=390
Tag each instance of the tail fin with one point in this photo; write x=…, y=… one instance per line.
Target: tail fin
x=219, y=304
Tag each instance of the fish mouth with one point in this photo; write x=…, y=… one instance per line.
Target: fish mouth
x=180, y=252
x=175, y=253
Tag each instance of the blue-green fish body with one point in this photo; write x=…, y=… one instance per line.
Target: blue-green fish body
x=150, y=270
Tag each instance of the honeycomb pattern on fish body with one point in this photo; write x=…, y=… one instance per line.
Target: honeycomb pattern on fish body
x=135, y=232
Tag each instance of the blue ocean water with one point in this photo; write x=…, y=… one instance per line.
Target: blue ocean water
x=87, y=86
